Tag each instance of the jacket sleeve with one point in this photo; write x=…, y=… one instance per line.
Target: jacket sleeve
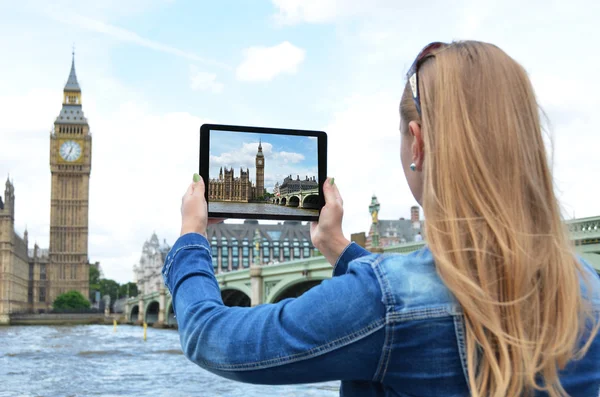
x=334, y=331
x=351, y=252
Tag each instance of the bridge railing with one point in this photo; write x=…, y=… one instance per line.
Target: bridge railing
x=584, y=228
x=404, y=248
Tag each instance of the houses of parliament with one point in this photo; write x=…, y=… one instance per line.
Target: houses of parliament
x=31, y=278
x=229, y=188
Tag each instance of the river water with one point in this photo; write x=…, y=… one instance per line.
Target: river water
x=92, y=360
x=255, y=208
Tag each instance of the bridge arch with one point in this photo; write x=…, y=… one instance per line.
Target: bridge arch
x=151, y=312
x=235, y=297
x=292, y=288
x=283, y=201
x=132, y=316
x=294, y=201
x=311, y=201
x=171, y=321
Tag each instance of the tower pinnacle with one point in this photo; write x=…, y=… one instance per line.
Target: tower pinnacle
x=72, y=84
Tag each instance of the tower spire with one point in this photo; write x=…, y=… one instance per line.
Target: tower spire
x=72, y=84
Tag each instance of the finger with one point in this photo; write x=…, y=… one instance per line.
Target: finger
x=214, y=221
x=189, y=190
x=198, y=188
x=331, y=193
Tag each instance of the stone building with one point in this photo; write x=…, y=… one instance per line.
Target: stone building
x=14, y=260
x=147, y=273
x=397, y=231
x=228, y=187
x=30, y=279
x=291, y=185
x=233, y=245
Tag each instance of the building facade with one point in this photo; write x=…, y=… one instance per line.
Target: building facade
x=238, y=246
x=395, y=231
x=291, y=185
x=147, y=273
x=30, y=279
x=14, y=261
x=228, y=187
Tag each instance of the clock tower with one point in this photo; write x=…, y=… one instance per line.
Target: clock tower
x=260, y=171
x=70, y=167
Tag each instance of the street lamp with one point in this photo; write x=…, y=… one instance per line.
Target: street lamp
x=374, y=211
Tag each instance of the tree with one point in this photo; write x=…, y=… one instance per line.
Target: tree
x=71, y=300
x=128, y=289
x=94, y=281
x=109, y=287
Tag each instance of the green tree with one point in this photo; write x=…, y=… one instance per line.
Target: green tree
x=71, y=300
x=94, y=281
x=128, y=289
x=110, y=288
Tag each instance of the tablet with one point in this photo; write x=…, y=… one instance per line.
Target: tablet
x=263, y=173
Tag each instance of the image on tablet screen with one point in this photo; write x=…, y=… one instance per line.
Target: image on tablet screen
x=252, y=173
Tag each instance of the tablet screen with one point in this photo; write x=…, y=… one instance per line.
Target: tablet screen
x=263, y=175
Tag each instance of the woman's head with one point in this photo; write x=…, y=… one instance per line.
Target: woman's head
x=493, y=222
x=478, y=112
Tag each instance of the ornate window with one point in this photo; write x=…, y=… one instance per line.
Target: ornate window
x=266, y=255
x=224, y=254
x=286, y=250
x=306, y=248
x=214, y=252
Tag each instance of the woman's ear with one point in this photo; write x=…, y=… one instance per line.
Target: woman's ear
x=417, y=147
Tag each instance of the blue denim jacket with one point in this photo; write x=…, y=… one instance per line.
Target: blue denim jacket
x=385, y=325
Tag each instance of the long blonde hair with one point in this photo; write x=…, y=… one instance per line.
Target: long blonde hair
x=493, y=222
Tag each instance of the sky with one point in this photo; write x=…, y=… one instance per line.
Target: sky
x=284, y=155
x=153, y=71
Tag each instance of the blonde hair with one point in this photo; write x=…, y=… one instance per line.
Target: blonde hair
x=493, y=222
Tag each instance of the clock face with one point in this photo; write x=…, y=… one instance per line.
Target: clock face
x=70, y=151
x=259, y=162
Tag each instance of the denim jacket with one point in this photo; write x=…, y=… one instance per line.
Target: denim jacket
x=384, y=325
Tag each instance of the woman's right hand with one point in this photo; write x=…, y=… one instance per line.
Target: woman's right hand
x=326, y=234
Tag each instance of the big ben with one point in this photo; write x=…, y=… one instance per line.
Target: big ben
x=260, y=171
x=70, y=167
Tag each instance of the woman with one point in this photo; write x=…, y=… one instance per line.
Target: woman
x=497, y=304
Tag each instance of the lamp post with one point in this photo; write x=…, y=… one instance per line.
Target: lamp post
x=374, y=211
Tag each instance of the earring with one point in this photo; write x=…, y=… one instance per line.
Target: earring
x=413, y=167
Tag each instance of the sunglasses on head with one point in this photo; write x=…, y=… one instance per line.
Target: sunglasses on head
x=412, y=75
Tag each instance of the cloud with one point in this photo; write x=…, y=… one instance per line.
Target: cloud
x=124, y=35
x=265, y=63
x=288, y=157
x=203, y=81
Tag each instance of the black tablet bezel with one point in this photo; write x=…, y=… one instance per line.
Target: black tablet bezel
x=205, y=155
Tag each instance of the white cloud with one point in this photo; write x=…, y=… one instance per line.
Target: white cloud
x=288, y=157
x=264, y=63
x=203, y=81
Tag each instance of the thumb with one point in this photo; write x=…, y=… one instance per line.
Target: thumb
x=198, y=186
x=331, y=192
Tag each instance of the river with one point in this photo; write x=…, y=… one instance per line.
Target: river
x=92, y=360
x=256, y=208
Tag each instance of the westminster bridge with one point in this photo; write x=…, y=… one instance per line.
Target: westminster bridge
x=272, y=283
x=302, y=198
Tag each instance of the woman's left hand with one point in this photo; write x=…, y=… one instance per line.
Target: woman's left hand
x=194, y=211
